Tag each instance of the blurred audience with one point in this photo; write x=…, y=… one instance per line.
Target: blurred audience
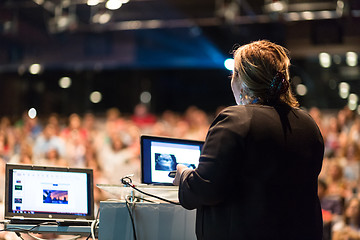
x=110, y=145
x=117, y=160
x=75, y=136
x=349, y=227
x=47, y=141
x=142, y=117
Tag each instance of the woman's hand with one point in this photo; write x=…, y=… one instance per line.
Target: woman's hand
x=180, y=168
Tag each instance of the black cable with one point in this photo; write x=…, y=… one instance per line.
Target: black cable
x=143, y=199
x=131, y=217
x=128, y=182
x=19, y=235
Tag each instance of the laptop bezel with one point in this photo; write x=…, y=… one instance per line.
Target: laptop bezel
x=9, y=214
x=161, y=139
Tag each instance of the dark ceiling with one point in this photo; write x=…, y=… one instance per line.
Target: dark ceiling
x=148, y=39
x=57, y=32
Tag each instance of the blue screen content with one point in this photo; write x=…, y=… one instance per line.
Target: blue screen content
x=36, y=192
x=162, y=156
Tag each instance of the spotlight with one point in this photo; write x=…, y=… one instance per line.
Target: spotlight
x=65, y=82
x=293, y=16
x=32, y=113
x=113, y=4
x=35, y=68
x=325, y=60
x=95, y=97
x=93, y=2
x=353, y=101
x=104, y=18
x=351, y=59
x=301, y=89
x=278, y=6
x=344, y=89
x=229, y=64
x=145, y=97
x=307, y=15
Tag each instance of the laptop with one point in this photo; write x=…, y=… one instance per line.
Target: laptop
x=160, y=156
x=38, y=194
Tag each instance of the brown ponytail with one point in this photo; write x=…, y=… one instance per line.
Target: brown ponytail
x=263, y=67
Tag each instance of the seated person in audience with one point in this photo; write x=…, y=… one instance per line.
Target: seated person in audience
x=52, y=158
x=349, y=227
x=118, y=160
x=335, y=180
x=142, y=117
x=25, y=156
x=99, y=178
x=332, y=206
x=352, y=166
x=75, y=137
x=74, y=125
x=48, y=140
x=331, y=138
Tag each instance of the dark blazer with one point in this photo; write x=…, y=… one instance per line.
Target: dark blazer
x=257, y=176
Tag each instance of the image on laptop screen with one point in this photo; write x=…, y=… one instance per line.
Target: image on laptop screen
x=160, y=155
x=39, y=192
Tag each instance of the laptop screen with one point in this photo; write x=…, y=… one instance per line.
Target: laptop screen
x=160, y=155
x=39, y=192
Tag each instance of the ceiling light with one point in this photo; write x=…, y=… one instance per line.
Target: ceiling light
x=340, y=4
x=63, y=21
x=301, y=89
x=293, y=16
x=326, y=14
x=95, y=97
x=35, y=68
x=113, y=4
x=32, y=113
x=145, y=97
x=325, y=60
x=353, y=101
x=278, y=6
x=307, y=15
x=344, y=89
x=65, y=82
x=93, y=2
x=351, y=59
x=104, y=18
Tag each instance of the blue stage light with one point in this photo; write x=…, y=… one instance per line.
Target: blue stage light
x=229, y=64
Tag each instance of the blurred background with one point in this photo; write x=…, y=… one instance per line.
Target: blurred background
x=81, y=80
x=90, y=55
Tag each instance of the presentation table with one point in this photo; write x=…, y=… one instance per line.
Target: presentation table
x=152, y=221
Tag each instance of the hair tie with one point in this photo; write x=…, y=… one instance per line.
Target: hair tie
x=279, y=85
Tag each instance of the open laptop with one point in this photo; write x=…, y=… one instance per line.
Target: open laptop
x=36, y=194
x=160, y=155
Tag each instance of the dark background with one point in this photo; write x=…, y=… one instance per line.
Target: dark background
x=173, y=49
